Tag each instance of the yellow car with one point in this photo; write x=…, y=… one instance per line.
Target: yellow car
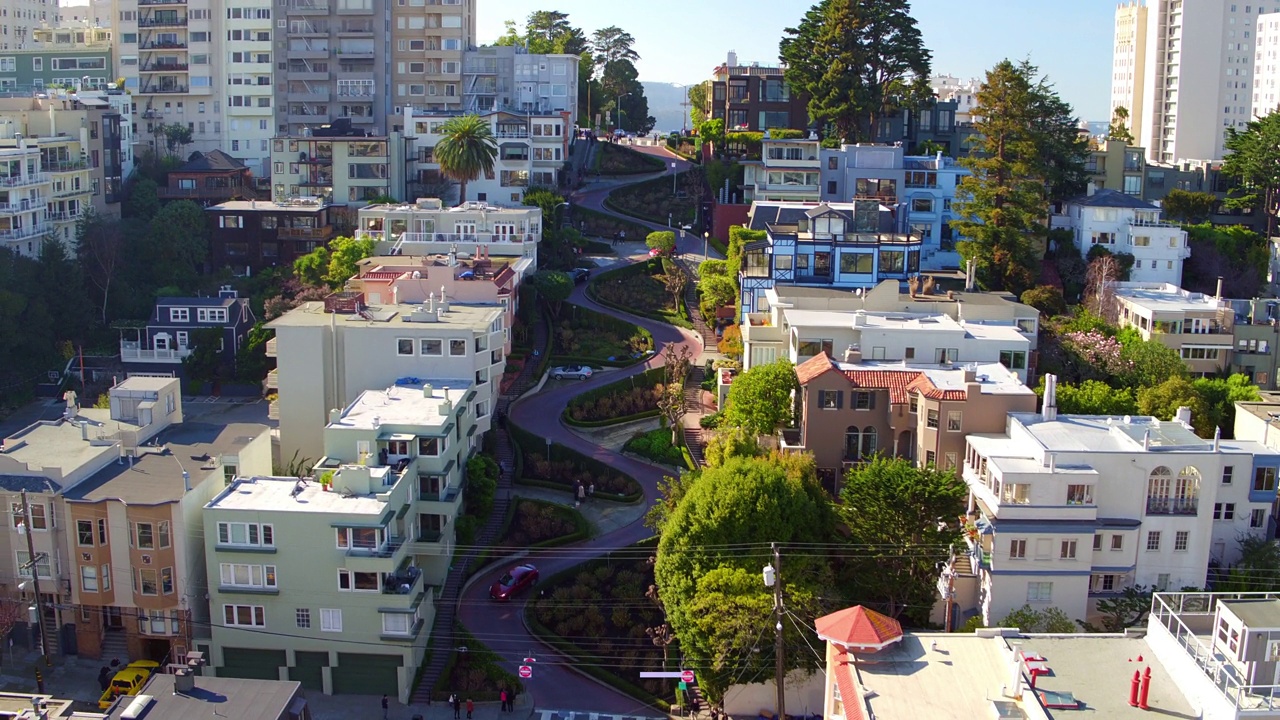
x=128, y=681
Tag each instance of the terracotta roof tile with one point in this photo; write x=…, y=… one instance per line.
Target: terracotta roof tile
x=813, y=367
x=850, y=696
x=897, y=382
x=858, y=627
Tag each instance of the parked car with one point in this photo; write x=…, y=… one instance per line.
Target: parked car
x=573, y=372
x=128, y=681
x=517, y=579
x=580, y=275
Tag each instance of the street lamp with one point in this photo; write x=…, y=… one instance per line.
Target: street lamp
x=556, y=212
x=673, y=177
x=706, y=238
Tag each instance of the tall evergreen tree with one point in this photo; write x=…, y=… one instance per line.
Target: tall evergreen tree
x=1254, y=162
x=857, y=60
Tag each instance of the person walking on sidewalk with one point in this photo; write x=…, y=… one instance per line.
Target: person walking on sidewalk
x=471, y=707
x=503, y=697
x=457, y=707
x=386, y=707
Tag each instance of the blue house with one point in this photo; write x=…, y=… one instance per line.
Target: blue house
x=843, y=246
x=164, y=340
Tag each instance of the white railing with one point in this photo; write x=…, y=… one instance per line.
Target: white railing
x=22, y=205
x=421, y=237
x=17, y=180
x=23, y=233
x=134, y=351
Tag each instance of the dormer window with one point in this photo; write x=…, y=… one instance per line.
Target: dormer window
x=179, y=315
x=212, y=315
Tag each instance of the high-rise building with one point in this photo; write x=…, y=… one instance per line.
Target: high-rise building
x=426, y=55
x=21, y=18
x=247, y=129
x=1185, y=73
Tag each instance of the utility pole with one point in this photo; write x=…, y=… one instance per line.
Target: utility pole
x=951, y=590
x=773, y=578
x=35, y=577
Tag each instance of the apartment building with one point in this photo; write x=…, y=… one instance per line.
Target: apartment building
x=473, y=229
x=115, y=498
x=428, y=59
x=24, y=195
x=374, y=530
x=22, y=18
x=248, y=90
x=327, y=353
x=1066, y=510
x=1199, y=327
x=1115, y=165
x=345, y=171
x=963, y=92
x=1186, y=73
x=61, y=56
x=1257, y=337
x=209, y=177
x=165, y=340
x=1124, y=223
x=755, y=97
x=852, y=411
x=115, y=101
x=788, y=171
x=850, y=246
x=253, y=235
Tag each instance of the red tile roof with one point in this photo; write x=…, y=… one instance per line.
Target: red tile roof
x=850, y=697
x=382, y=274
x=813, y=367
x=858, y=628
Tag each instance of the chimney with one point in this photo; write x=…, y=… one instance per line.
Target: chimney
x=852, y=354
x=1183, y=415
x=1146, y=439
x=84, y=430
x=431, y=302
x=1217, y=292
x=1217, y=439
x=732, y=59
x=428, y=391
x=186, y=480
x=1050, y=411
x=377, y=422
x=1091, y=189
x=446, y=407
x=1014, y=689
x=334, y=415
x=1053, y=461
x=183, y=682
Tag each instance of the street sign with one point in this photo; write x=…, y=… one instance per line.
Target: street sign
x=682, y=685
x=687, y=676
x=530, y=661
x=526, y=672
x=672, y=674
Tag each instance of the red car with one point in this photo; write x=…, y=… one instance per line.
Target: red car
x=517, y=579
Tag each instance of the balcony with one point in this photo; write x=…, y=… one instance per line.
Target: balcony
x=434, y=542
x=321, y=95
x=355, y=29
x=67, y=215
x=153, y=3
x=163, y=46
x=9, y=208
x=273, y=379
x=64, y=165
x=163, y=68
x=787, y=188
x=23, y=233
x=68, y=191
x=321, y=233
x=308, y=7
x=22, y=180
x=407, y=581
x=132, y=351
x=1172, y=506
x=162, y=22
x=271, y=348
x=382, y=559
x=163, y=90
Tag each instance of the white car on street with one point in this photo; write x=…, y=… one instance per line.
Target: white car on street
x=572, y=372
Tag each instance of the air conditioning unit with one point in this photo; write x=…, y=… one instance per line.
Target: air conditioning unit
x=146, y=559
x=86, y=557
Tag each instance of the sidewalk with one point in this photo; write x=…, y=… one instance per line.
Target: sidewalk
x=605, y=516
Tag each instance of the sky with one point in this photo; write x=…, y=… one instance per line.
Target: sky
x=680, y=41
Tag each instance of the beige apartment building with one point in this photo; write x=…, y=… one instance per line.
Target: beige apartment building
x=428, y=39
x=1200, y=327
x=850, y=412
x=348, y=171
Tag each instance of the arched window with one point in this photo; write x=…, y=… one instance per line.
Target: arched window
x=851, y=438
x=868, y=443
x=1186, y=491
x=1159, y=486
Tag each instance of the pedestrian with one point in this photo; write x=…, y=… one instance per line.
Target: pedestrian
x=471, y=707
x=104, y=678
x=591, y=489
x=503, y=697
x=453, y=700
x=386, y=707
x=582, y=494
x=622, y=235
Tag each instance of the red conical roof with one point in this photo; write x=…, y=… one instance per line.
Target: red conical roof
x=858, y=628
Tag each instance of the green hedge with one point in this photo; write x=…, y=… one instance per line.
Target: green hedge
x=480, y=657
x=526, y=442
x=558, y=360
x=626, y=161
x=647, y=379
x=584, y=316
x=651, y=200
x=652, y=266
x=606, y=423
x=656, y=446
x=582, y=528
x=597, y=247
x=594, y=222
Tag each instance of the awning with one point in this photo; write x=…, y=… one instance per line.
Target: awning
x=406, y=437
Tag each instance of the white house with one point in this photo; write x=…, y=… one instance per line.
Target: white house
x=1064, y=511
x=1125, y=224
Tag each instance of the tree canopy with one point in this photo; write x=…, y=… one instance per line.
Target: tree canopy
x=1253, y=161
x=663, y=241
x=892, y=509
x=1119, y=127
x=1187, y=206
x=466, y=150
x=760, y=398
x=554, y=287
x=711, y=551
x=857, y=60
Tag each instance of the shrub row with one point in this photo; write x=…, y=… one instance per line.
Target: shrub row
x=567, y=466
x=604, y=225
x=614, y=159
x=650, y=267
x=578, y=410
x=656, y=445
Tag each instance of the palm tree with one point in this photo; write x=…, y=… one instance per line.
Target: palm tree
x=466, y=149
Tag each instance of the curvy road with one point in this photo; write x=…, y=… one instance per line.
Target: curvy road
x=500, y=626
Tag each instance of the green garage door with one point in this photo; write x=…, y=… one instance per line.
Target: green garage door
x=359, y=674
x=252, y=663
x=309, y=669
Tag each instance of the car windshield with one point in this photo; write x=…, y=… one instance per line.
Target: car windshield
x=506, y=579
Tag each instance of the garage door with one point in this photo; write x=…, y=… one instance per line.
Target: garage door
x=359, y=674
x=252, y=663
x=308, y=670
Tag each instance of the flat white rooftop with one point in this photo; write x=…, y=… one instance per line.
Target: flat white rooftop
x=459, y=317
x=1166, y=298
x=994, y=378
x=902, y=322
x=405, y=403
x=278, y=494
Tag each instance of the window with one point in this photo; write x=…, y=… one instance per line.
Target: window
x=1257, y=518
x=102, y=531
x=863, y=401
x=164, y=534
x=859, y=445
x=252, y=534
x=1102, y=583
x=147, y=581
x=431, y=446
x=949, y=461
x=954, y=420
x=1039, y=592
x=1153, y=541
x=88, y=578
x=330, y=620
x=396, y=623
x=1068, y=550
x=84, y=533
x=1180, y=540
x=1227, y=472
x=244, y=616
x=1079, y=494
x=1013, y=359
x=404, y=346
x=248, y=576
x=211, y=315
x=931, y=419
x=302, y=617
x=862, y=263
x=36, y=510
x=166, y=581
x=1097, y=542
x=43, y=566
x=457, y=347
x=349, y=581
x=179, y=315
x=1117, y=542
x=829, y=399
x=143, y=536
x=1224, y=511
x=1015, y=493
x=431, y=347
x=1264, y=480
x=359, y=538
x=1018, y=549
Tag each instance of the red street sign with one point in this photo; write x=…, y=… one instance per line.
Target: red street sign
x=530, y=661
x=687, y=676
x=526, y=671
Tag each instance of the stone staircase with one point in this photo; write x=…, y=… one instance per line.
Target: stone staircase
x=114, y=646
x=51, y=632
x=691, y=301
x=693, y=408
x=443, y=636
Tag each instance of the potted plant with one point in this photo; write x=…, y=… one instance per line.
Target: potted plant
x=326, y=479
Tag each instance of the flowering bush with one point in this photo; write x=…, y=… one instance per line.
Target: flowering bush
x=1097, y=350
